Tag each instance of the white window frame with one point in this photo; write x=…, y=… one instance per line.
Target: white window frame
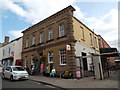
x=62, y=57
x=3, y=52
x=41, y=37
x=33, y=39
x=27, y=43
x=32, y=61
x=9, y=50
x=50, y=34
x=26, y=60
x=61, y=30
x=50, y=56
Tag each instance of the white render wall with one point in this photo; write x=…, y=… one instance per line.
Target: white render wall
x=17, y=50
x=79, y=48
x=15, y=47
x=6, y=48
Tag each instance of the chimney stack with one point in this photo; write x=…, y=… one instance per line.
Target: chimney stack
x=6, y=39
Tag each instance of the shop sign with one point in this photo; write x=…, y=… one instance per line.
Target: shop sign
x=68, y=47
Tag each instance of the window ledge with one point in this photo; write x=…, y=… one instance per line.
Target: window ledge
x=50, y=40
x=40, y=43
x=62, y=64
x=26, y=47
x=62, y=37
x=33, y=45
x=50, y=62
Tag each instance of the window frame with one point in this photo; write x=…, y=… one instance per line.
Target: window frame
x=9, y=50
x=27, y=42
x=61, y=30
x=33, y=40
x=3, y=52
x=61, y=56
x=49, y=57
x=26, y=61
x=41, y=37
x=95, y=40
x=91, y=39
x=83, y=33
x=32, y=61
x=50, y=34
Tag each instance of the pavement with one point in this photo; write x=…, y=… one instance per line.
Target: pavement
x=86, y=82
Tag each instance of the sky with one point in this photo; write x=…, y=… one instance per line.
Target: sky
x=98, y=15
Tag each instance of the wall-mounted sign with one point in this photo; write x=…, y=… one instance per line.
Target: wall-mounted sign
x=68, y=47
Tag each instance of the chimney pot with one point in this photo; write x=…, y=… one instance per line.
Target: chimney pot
x=6, y=39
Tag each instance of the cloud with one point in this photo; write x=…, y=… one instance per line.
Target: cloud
x=107, y=26
x=16, y=33
x=33, y=11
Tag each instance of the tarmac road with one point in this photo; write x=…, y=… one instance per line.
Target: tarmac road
x=24, y=84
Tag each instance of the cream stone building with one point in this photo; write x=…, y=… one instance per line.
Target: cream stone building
x=57, y=41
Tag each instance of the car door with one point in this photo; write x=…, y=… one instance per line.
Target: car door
x=9, y=72
x=6, y=72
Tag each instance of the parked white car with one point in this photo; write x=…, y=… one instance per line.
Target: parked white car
x=15, y=73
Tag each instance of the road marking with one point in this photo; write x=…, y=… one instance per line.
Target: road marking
x=50, y=86
x=37, y=82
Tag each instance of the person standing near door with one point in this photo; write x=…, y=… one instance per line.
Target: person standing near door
x=47, y=70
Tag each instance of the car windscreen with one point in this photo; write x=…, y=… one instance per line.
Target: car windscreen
x=18, y=69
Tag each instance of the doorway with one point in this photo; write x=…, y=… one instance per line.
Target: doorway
x=85, y=66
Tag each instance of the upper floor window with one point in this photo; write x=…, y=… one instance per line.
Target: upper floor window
x=32, y=60
x=82, y=30
x=41, y=37
x=33, y=40
x=101, y=43
x=61, y=30
x=95, y=40
x=3, y=52
x=91, y=41
x=26, y=61
x=50, y=34
x=50, y=57
x=9, y=50
x=27, y=42
x=63, y=57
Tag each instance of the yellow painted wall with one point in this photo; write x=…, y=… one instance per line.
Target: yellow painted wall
x=78, y=34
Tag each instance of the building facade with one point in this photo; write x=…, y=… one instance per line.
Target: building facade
x=104, y=44
x=11, y=52
x=57, y=41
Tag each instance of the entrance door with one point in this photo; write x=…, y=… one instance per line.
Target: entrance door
x=85, y=66
x=84, y=62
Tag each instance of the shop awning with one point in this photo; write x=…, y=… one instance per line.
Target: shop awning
x=109, y=52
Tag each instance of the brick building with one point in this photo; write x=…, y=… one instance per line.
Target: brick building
x=57, y=40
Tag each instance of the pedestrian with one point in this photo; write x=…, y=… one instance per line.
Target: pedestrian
x=32, y=70
x=47, y=70
x=53, y=72
x=27, y=69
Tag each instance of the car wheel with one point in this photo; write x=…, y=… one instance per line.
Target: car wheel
x=11, y=78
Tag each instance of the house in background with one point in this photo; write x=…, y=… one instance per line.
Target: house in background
x=57, y=41
x=11, y=51
x=104, y=44
x=108, y=55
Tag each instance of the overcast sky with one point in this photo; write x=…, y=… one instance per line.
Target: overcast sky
x=17, y=15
